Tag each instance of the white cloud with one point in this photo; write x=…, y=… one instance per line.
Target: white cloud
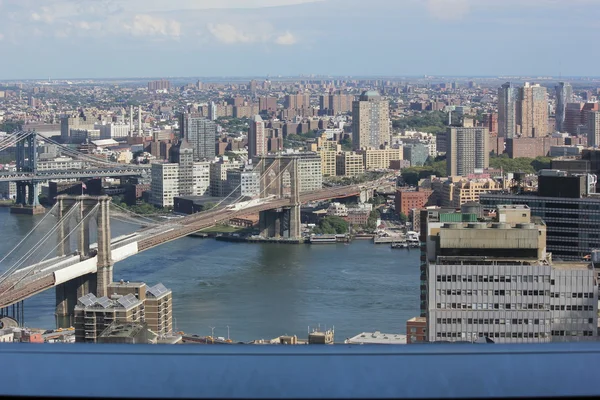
x=286, y=39
x=229, y=34
x=448, y=9
x=147, y=25
x=259, y=32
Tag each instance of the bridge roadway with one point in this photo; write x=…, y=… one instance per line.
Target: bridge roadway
x=72, y=174
x=34, y=279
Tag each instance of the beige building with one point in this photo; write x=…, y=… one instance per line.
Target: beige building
x=467, y=150
x=457, y=190
x=158, y=303
x=93, y=315
x=380, y=158
x=349, y=163
x=327, y=150
x=370, y=121
x=532, y=111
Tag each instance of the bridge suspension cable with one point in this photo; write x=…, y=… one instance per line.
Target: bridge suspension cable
x=14, y=139
x=123, y=209
x=55, y=247
x=25, y=238
x=40, y=243
x=82, y=156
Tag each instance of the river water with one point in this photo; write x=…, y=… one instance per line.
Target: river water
x=260, y=291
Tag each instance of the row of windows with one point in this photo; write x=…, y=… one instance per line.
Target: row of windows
x=497, y=321
x=494, y=278
x=572, y=333
x=475, y=292
x=493, y=306
x=571, y=308
x=578, y=295
x=514, y=335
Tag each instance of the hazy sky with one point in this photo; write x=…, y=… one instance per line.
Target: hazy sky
x=140, y=38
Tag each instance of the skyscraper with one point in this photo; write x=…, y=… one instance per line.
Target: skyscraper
x=466, y=150
x=593, y=128
x=532, y=111
x=507, y=112
x=201, y=133
x=564, y=95
x=370, y=121
x=257, y=138
x=212, y=111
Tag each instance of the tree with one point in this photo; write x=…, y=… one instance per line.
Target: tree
x=331, y=225
x=208, y=206
x=403, y=218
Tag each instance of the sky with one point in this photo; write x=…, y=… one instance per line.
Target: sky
x=211, y=38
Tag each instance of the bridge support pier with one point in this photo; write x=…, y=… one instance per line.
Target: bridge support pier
x=67, y=293
x=280, y=223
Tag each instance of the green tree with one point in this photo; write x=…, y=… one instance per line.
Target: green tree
x=331, y=225
x=403, y=218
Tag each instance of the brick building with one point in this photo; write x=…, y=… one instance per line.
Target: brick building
x=406, y=200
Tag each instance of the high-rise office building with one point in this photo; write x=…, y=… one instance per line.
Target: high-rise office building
x=532, y=111
x=564, y=95
x=370, y=121
x=213, y=113
x=257, y=138
x=201, y=133
x=495, y=280
x=593, y=128
x=466, y=150
x=507, y=110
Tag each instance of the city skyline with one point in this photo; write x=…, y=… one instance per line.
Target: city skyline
x=291, y=35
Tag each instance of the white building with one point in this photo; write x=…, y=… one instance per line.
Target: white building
x=201, y=178
x=165, y=184
x=59, y=163
x=8, y=190
x=337, y=210
x=309, y=169
x=243, y=183
x=112, y=131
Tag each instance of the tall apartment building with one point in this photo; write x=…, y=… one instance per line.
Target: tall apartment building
x=349, y=163
x=268, y=104
x=93, y=315
x=183, y=154
x=495, y=280
x=218, y=176
x=257, y=138
x=507, y=110
x=370, y=121
x=568, y=206
x=165, y=183
x=297, y=101
x=532, y=111
x=466, y=150
x=159, y=85
x=201, y=133
x=593, y=128
x=336, y=103
x=564, y=95
x=380, y=158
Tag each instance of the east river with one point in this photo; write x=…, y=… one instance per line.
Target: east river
x=260, y=291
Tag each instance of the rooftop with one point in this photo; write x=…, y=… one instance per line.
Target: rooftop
x=122, y=330
x=377, y=338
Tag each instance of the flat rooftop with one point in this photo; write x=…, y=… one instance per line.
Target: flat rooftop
x=377, y=338
x=124, y=330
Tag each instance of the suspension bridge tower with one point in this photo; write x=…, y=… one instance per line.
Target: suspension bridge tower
x=97, y=283
x=27, y=201
x=280, y=178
